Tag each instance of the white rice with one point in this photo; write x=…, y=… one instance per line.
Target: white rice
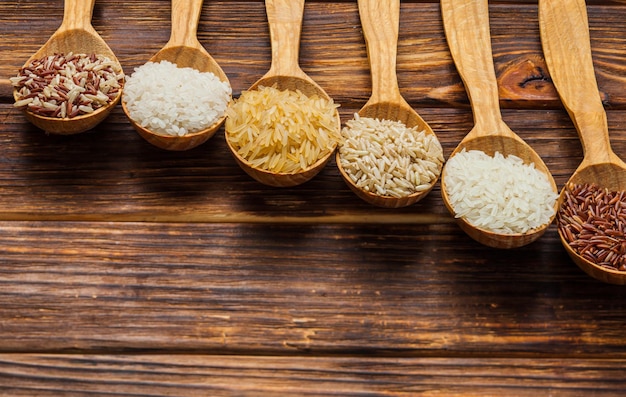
x=500, y=194
x=175, y=101
x=387, y=158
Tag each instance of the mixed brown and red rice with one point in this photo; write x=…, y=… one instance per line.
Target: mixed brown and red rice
x=67, y=85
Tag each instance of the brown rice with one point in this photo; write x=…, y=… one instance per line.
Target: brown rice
x=387, y=158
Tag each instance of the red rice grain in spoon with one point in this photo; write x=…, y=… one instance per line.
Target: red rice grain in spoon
x=593, y=222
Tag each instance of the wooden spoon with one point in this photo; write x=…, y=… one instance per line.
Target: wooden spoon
x=184, y=50
x=380, y=21
x=285, y=24
x=466, y=24
x=76, y=35
x=567, y=48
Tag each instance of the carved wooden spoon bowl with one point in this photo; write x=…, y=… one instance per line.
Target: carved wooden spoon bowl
x=466, y=24
x=184, y=50
x=75, y=35
x=565, y=38
x=380, y=22
x=285, y=23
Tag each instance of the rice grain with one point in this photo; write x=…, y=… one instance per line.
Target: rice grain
x=387, y=158
x=593, y=222
x=67, y=85
x=497, y=193
x=281, y=131
x=175, y=101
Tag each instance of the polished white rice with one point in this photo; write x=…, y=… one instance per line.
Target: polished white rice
x=500, y=194
x=387, y=158
x=175, y=101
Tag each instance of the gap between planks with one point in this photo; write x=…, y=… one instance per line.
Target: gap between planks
x=234, y=218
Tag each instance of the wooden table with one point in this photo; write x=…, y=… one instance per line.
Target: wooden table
x=129, y=270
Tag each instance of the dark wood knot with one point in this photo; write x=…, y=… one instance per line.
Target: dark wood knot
x=526, y=79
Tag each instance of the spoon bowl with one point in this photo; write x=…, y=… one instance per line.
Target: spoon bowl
x=466, y=24
x=566, y=44
x=184, y=50
x=505, y=145
x=612, y=176
x=380, y=22
x=285, y=23
x=75, y=35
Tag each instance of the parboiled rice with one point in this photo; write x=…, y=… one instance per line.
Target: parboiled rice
x=500, y=194
x=387, y=158
x=282, y=131
x=175, y=101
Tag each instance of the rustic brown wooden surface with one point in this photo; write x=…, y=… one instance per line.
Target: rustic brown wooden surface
x=129, y=270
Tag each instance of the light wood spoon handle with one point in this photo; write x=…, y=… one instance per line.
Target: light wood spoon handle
x=285, y=24
x=466, y=24
x=185, y=18
x=382, y=43
x=567, y=49
x=77, y=14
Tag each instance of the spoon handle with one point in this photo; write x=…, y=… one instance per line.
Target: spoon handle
x=466, y=24
x=185, y=18
x=77, y=15
x=285, y=24
x=380, y=21
x=567, y=49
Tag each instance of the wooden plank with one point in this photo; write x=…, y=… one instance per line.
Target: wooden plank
x=192, y=375
x=290, y=289
x=125, y=269
x=112, y=174
x=235, y=33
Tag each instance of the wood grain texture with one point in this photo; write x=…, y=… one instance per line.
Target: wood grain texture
x=127, y=269
x=235, y=33
x=47, y=177
x=292, y=289
x=83, y=375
